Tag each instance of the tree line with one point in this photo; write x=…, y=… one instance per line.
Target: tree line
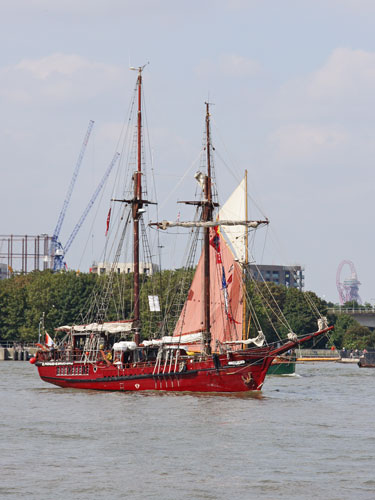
x=62, y=299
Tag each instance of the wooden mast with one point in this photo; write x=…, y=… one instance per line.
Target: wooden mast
x=137, y=205
x=244, y=330
x=207, y=216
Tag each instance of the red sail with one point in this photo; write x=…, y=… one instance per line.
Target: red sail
x=225, y=294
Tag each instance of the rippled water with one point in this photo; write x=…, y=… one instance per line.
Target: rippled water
x=307, y=436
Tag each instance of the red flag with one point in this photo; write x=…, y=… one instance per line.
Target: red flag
x=229, y=280
x=215, y=240
x=108, y=220
x=48, y=341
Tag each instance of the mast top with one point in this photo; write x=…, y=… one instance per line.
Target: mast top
x=139, y=69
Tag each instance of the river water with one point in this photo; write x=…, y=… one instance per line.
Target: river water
x=311, y=435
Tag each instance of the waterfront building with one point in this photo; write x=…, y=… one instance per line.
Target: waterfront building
x=289, y=276
x=124, y=267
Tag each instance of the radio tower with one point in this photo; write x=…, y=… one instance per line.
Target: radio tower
x=348, y=289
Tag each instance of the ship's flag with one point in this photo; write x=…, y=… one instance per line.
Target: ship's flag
x=108, y=221
x=49, y=342
x=215, y=243
x=225, y=290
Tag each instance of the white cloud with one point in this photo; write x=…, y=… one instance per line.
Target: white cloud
x=58, y=78
x=347, y=75
x=326, y=115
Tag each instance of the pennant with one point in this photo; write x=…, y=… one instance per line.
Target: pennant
x=225, y=286
x=108, y=221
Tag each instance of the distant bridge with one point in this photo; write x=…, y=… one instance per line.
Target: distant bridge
x=365, y=317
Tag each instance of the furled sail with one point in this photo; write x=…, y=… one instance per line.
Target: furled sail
x=123, y=326
x=225, y=297
x=236, y=222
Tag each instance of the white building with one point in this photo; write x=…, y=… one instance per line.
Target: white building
x=124, y=267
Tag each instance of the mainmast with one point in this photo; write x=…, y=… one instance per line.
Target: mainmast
x=207, y=216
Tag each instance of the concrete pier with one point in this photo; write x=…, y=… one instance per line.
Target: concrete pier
x=12, y=354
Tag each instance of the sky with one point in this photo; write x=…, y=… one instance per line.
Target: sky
x=292, y=86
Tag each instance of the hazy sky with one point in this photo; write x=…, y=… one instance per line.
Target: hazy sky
x=293, y=87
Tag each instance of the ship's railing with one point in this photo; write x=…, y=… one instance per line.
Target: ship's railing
x=65, y=355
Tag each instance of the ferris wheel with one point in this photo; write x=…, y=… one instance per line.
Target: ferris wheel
x=348, y=289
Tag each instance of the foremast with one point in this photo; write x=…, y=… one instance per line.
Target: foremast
x=137, y=204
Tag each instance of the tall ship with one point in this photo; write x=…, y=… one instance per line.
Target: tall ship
x=210, y=341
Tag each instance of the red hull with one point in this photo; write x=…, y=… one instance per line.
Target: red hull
x=196, y=377
x=239, y=371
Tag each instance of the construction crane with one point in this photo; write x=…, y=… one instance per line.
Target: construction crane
x=59, y=259
x=56, y=248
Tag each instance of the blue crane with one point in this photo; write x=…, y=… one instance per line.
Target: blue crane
x=56, y=247
x=59, y=259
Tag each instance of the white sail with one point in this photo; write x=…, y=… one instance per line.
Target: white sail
x=235, y=209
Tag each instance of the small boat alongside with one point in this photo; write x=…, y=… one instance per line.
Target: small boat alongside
x=349, y=356
x=283, y=365
x=367, y=360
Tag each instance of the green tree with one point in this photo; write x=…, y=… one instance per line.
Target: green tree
x=359, y=337
x=342, y=323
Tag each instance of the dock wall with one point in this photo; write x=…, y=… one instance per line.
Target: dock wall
x=14, y=354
